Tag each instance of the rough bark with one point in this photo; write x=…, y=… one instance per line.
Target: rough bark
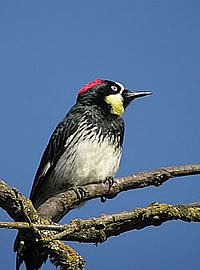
x=39, y=227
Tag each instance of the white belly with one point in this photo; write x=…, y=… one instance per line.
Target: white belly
x=90, y=162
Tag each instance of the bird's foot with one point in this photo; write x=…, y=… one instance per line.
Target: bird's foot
x=110, y=181
x=80, y=192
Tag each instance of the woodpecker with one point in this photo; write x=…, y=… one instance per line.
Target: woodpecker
x=86, y=145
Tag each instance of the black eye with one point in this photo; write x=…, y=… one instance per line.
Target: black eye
x=114, y=88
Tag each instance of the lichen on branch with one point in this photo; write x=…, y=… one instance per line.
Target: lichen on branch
x=38, y=228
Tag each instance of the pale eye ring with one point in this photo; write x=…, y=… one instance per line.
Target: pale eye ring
x=114, y=88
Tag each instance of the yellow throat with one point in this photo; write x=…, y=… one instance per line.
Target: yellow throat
x=116, y=102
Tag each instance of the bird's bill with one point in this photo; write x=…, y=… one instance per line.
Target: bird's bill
x=135, y=94
x=129, y=96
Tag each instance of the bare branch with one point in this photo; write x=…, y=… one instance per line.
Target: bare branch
x=41, y=233
x=56, y=207
x=26, y=225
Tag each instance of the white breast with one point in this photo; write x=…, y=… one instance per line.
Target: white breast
x=89, y=162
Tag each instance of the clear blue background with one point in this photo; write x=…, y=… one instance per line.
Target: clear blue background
x=48, y=51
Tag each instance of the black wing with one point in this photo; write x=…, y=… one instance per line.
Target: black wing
x=53, y=151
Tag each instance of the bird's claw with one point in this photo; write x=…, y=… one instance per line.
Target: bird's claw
x=80, y=192
x=110, y=181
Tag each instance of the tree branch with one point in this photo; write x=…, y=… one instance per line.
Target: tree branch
x=97, y=230
x=37, y=227
x=58, y=206
x=21, y=209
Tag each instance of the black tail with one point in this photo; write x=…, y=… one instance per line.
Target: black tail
x=33, y=256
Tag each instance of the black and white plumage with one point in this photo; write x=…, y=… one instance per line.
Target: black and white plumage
x=88, y=152
x=86, y=145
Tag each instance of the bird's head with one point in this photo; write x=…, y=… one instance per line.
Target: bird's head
x=111, y=96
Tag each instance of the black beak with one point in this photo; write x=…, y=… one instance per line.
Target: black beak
x=131, y=95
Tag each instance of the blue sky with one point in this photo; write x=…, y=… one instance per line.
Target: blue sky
x=48, y=51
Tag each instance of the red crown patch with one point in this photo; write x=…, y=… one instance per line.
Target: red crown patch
x=90, y=85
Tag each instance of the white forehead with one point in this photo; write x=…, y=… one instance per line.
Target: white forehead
x=121, y=86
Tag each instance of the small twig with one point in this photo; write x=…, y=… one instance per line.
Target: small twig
x=21, y=209
x=96, y=230
x=31, y=223
x=26, y=225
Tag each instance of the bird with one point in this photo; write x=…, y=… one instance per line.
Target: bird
x=86, y=146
